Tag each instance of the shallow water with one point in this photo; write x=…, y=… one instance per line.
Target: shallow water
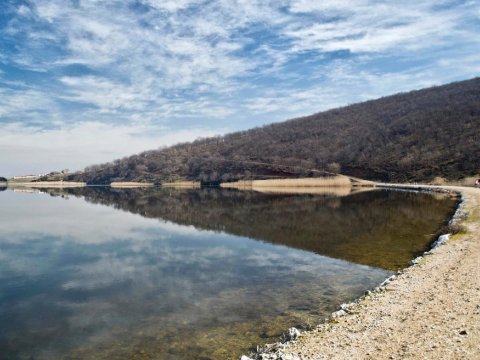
x=193, y=274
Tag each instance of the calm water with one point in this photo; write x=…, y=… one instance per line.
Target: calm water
x=198, y=274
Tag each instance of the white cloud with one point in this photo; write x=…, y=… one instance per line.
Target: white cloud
x=200, y=47
x=170, y=5
x=107, y=95
x=373, y=27
x=346, y=84
x=28, y=149
x=24, y=101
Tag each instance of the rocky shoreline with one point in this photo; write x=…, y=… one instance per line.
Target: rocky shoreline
x=355, y=329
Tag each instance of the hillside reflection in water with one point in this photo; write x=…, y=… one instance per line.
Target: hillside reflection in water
x=384, y=229
x=80, y=280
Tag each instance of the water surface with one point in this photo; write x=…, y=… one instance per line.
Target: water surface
x=101, y=273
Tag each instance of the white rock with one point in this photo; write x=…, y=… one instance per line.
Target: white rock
x=339, y=313
x=442, y=239
x=289, y=357
x=293, y=333
x=268, y=357
x=245, y=358
x=416, y=260
x=385, y=283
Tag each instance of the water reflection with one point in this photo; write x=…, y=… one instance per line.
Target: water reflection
x=80, y=280
x=383, y=229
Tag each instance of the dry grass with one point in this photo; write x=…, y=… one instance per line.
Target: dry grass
x=320, y=190
x=331, y=181
x=47, y=184
x=466, y=181
x=439, y=181
x=182, y=184
x=129, y=184
x=238, y=184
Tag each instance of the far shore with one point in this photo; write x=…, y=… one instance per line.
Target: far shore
x=429, y=310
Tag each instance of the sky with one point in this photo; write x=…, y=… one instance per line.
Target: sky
x=89, y=81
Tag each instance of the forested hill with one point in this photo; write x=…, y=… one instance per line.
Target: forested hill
x=410, y=136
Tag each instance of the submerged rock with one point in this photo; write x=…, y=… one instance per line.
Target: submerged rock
x=388, y=281
x=416, y=260
x=442, y=239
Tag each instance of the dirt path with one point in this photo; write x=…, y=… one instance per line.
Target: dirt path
x=430, y=311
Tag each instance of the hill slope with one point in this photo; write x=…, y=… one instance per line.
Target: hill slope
x=410, y=136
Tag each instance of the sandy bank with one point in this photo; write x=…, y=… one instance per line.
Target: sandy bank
x=182, y=184
x=429, y=311
x=331, y=181
x=47, y=184
x=130, y=184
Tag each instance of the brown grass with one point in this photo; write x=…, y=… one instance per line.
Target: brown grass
x=182, y=184
x=320, y=190
x=466, y=181
x=127, y=184
x=331, y=181
x=439, y=181
x=47, y=184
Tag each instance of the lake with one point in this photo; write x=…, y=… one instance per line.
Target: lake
x=101, y=273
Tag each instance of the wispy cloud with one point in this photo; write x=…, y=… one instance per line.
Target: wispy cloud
x=375, y=26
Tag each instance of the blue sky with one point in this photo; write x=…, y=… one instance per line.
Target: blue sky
x=83, y=82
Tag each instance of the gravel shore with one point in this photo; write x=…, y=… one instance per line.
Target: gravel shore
x=429, y=311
